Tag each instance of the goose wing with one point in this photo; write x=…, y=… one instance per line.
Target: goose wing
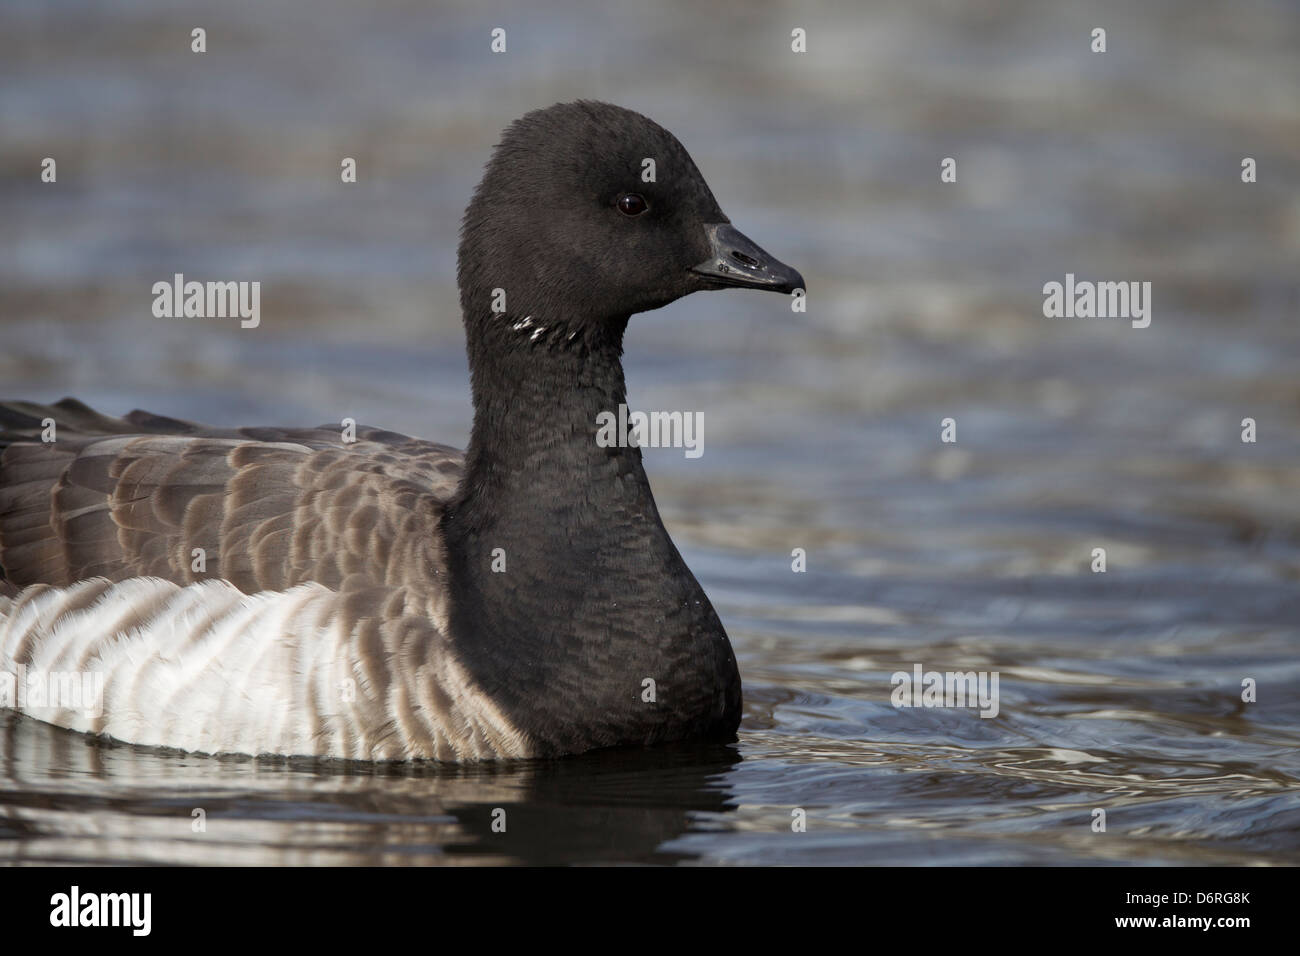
x=253, y=590
x=260, y=508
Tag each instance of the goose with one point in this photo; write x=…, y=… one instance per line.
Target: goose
x=291, y=592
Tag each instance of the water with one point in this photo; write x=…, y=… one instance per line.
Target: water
x=1119, y=691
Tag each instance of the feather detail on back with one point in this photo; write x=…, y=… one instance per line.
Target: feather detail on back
x=261, y=508
x=250, y=591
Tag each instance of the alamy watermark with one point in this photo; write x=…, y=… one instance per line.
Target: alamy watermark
x=1098, y=300
x=631, y=429
x=922, y=688
x=74, y=908
x=208, y=300
x=32, y=691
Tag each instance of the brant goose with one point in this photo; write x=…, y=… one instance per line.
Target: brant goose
x=282, y=591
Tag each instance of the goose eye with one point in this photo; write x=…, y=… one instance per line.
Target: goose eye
x=630, y=204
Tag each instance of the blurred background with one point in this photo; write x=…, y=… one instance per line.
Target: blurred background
x=1119, y=690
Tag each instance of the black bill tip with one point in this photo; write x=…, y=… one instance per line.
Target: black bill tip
x=738, y=261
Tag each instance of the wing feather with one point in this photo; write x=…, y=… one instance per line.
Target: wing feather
x=262, y=508
x=229, y=583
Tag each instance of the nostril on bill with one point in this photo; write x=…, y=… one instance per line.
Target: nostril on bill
x=744, y=260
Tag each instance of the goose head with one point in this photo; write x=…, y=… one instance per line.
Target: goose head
x=588, y=213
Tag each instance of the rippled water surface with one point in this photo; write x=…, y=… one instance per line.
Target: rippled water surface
x=1120, y=691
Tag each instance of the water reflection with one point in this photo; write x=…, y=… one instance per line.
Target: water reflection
x=66, y=798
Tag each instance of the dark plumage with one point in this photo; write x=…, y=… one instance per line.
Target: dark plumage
x=392, y=540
